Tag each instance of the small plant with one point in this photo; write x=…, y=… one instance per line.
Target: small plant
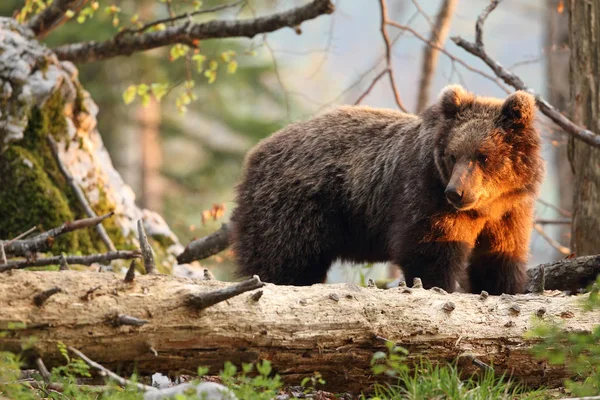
x=429, y=381
x=579, y=351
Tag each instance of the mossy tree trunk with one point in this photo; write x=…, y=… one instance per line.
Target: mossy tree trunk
x=40, y=97
x=584, y=42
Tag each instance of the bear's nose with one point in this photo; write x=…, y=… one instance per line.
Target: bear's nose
x=453, y=195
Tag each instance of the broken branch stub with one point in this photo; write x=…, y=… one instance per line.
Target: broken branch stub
x=205, y=300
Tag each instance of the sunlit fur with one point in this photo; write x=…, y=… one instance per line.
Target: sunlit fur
x=367, y=185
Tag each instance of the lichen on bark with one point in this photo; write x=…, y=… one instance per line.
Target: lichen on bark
x=41, y=96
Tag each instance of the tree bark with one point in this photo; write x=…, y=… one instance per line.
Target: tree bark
x=557, y=70
x=45, y=184
x=439, y=34
x=584, y=42
x=333, y=329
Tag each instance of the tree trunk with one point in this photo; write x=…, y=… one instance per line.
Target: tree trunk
x=557, y=76
x=584, y=42
x=439, y=33
x=41, y=97
x=333, y=329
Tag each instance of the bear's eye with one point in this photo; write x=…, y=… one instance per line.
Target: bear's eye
x=453, y=158
x=482, y=158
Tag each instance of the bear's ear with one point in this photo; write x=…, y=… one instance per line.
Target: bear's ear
x=453, y=99
x=518, y=110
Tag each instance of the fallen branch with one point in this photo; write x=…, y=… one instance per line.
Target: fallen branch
x=81, y=260
x=122, y=381
x=43, y=242
x=477, y=49
x=185, y=33
x=80, y=195
x=570, y=274
x=326, y=328
x=207, y=246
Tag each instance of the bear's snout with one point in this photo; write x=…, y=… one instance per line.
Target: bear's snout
x=459, y=198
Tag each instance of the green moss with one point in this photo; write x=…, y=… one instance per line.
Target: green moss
x=29, y=198
x=34, y=191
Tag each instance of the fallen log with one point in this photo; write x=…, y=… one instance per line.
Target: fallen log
x=332, y=329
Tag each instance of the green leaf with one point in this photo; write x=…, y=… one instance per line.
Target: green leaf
x=159, y=90
x=129, y=94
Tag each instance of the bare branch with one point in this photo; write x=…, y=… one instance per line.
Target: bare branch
x=204, y=300
x=450, y=56
x=80, y=260
x=477, y=49
x=561, y=211
x=80, y=195
x=129, y=44
x=371, y=86
x=43, y=370
x=43, y=241
x=564, y=250
x=146, y=249
x=22, y=235
x=112, y=375
x=388, y=54
x=43, y=22
x=207, y=246
x=438, y=36
x=543, y=221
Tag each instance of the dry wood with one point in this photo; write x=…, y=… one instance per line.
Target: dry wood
x=327, y=328
x=146, y=249
x=206, y=246
x=82, y=260
x=569, y=274
x=80, y=195
x=43, y=242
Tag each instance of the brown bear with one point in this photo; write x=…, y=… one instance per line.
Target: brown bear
x=447, y=195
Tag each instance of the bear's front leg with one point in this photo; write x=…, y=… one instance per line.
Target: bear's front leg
x=498, y=261
x=437, y=263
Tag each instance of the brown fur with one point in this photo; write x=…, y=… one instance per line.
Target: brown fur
x=371, y=185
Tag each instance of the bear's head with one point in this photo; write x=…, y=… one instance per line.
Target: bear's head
x=485, y=148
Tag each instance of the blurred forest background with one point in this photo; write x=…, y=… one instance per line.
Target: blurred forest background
x=182, y=165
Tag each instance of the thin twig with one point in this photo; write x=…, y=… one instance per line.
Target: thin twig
x=562, y=211
x=388, y=54
x=122, y=381
x=147, y=254
x=22, y=235
x=201, y=301
x=551, y=242
x=80, y=195
x=543, y=221
x=182, y=16
x=423, y=14
x=43, y=241
x=449, y=55
x=79, y=260
x=371, y=86
x=477, y=49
